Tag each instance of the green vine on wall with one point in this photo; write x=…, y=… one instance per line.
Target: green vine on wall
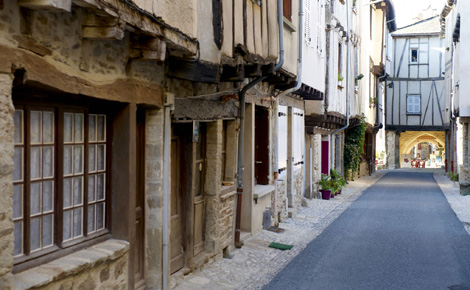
x=354, y=147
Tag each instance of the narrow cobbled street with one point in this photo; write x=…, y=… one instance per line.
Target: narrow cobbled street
x=400, y=234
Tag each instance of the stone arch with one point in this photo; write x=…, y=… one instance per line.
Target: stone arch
x=410, y=138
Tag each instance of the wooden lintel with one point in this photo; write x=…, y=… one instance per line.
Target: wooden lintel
x=103, y=33
x=47, y=5
x=197, y=71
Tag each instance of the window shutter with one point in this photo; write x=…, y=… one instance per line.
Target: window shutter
x=308, y=23
x=410, y=104
x=417, y=104
x=319, y=27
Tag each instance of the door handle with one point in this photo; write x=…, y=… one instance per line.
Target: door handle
x=258, y=162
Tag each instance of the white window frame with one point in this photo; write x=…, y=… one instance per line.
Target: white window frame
x=413, y=104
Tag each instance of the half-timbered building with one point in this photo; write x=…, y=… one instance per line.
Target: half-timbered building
x=415, y=105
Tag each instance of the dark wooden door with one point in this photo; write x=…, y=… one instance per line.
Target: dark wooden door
x=198, y=199
x=262, y=146
x=176, y=229
x=325, y=157
x=139, y=253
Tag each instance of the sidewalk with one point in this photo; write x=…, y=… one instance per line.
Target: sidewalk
x=460, y=204
x=255, y=264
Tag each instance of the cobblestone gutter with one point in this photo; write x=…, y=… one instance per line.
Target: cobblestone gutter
x=255, y=264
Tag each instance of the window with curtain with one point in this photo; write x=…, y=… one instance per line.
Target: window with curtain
x=60, y=178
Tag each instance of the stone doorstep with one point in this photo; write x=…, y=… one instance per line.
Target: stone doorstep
x=71, y=264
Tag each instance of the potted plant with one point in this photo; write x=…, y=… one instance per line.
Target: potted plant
x=325, y=184
x=356, y=85
x=337, y=180
x=340, y=81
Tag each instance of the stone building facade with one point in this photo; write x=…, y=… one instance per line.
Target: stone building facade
x=120, y=125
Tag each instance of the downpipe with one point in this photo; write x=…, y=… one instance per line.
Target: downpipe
x=241, y=133
x=332, y=160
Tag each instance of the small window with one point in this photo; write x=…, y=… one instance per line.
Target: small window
x=413, y=104
x=414, y=55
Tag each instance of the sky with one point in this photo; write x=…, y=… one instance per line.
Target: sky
x=405, y=10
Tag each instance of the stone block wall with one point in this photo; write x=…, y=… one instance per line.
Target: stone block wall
x=154, y=122
x=282, y=201
x=226, y=220
x=6, y=176
x=104, y=266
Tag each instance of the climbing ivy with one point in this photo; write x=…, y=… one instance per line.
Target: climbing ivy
x=354, y=146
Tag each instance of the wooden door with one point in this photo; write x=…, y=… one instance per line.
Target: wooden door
x=198, y=200
x=325, y=157
x=262, y=146
x=139, y=253
x=176, y=229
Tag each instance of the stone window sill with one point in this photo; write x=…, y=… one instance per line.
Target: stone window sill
x=72, y=264
x=289, y=25
x=261, y=191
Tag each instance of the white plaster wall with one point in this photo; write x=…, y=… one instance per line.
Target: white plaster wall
x=464, y=58
x=313, y=58
x=185, y=19
x=208, y=49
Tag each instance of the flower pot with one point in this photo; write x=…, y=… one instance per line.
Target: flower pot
x=339, y=192
x=325, y=194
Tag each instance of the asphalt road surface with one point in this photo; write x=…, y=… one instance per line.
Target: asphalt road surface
x=400, y=234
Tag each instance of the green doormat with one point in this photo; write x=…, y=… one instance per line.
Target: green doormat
x=280, y=246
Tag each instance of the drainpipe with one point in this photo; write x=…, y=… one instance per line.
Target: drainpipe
x=451, y=110
x=347, y=88
x=241, y=133
x=169, y=106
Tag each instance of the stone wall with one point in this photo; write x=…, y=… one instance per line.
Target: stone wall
x=6, y=186
x=103, y=266
x=226, y=219
x=154, y=122
x=282, y=202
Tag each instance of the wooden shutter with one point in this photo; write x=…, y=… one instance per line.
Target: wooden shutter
x=308, y=23
x=287, y=9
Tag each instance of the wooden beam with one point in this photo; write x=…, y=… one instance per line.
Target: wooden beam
x=416, y=128
x=101, y=27
x=103, y=33
x=31, y=45
x=253, y=70
x=47, y=5
x=232, y=74
x=147, y=48
x=196, y=71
